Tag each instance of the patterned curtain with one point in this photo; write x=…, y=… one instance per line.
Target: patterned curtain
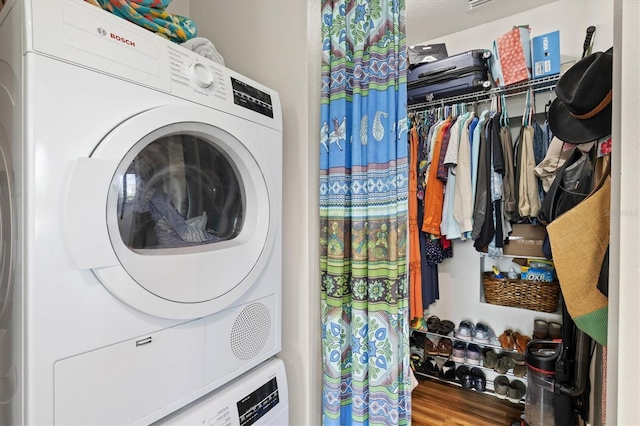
x=363, y=214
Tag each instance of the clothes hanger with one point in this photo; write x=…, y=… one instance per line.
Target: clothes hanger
x=527, y=106
x=546, y=107
x=494, y=103
x=504, y=115
x=532, y=107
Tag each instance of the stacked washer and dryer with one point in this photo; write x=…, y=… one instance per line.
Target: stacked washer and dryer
x=140, y=228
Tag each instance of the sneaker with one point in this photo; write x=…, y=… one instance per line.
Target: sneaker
x=474, y=354
x=504, y=364
x=517, y=390
x=479, y=380
x=490, y=358
x=448, y=371
x=458, y=351
x=465, y=330
x=464, y=377
x=482, y=333
x=501, y=387
x=519, y=370
x=431, y=366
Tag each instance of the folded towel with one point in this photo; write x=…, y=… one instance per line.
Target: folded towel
x=151, y=14
x=204, y=47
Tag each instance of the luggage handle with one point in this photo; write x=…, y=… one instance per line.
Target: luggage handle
x=435, y=72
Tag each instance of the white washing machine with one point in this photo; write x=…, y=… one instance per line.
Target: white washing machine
x=259, y=397
x=140, y=219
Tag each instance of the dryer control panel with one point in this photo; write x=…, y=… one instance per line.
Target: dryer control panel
x=82, y=34
x=202, y=78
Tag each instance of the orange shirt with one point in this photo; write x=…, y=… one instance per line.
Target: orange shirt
x=415, y=271
x=434, y=196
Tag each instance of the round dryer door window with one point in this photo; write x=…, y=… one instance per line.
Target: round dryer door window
x=180, y=190
x=190, y=217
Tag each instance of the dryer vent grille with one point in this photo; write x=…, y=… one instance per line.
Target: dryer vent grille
x=250, y=331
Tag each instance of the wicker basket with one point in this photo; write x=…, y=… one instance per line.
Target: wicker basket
x=533, y=295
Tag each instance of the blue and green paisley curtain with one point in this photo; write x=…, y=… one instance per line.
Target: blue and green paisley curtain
x=363, y=214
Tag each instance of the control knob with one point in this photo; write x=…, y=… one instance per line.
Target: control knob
x=201, y=75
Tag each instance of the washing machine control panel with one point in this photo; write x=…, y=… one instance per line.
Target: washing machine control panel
x=259, y=397
x=258, y=403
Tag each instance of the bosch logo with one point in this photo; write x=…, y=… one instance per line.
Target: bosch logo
x=122, y=40
x=101, y=31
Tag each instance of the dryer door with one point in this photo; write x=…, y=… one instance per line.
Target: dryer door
x=183, y=219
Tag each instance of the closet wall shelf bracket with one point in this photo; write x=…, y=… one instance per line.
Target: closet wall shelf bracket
x=539, y=84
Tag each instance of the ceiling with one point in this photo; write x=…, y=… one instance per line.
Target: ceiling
x=430, y=19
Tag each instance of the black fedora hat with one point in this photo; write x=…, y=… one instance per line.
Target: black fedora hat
x=581, y=111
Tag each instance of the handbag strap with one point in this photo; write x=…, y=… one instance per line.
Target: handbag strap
x=602, y=170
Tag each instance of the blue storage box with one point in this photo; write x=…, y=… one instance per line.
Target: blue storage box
x=545, y=52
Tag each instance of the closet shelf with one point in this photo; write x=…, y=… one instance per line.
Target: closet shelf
x=489, y=391
x=494, y=343
x=512, y=256
x=539, y=84
x=442, y=359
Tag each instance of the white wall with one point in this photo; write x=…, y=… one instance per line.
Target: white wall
x=278, y=44
x=179, y=7
x=623, y=373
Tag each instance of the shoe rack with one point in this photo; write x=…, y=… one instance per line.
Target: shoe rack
x=489, y=373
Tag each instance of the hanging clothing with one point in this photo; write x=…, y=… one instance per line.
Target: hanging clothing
x=415, y=265
x=508, y=182
x=431, y=257
x=483, y=225
x=448, y=226
x=430, y=284
x=539, y=151
x=464, y=193
x=478, y=134
x=497, y=170
x=425, y=133
x=464, y=211
x=528, y=199
x=434, y=195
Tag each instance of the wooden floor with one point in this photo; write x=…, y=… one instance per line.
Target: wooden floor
x=441, y=404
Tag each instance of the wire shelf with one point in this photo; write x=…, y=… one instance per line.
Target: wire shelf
x=537, y=85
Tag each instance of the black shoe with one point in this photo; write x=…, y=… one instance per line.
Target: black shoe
x=464, y=377
x=416, y=339
x=431, y=366
x=479, y=380
x=448, y=371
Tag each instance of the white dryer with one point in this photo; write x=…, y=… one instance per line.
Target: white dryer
x=140, y=219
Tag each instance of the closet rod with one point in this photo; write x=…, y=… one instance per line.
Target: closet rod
x=537, y=85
